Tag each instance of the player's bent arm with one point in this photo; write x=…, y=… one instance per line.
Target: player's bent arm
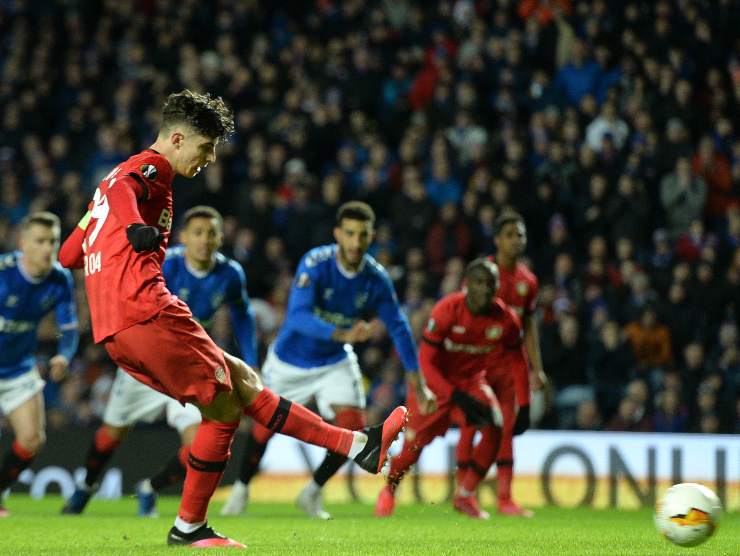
x=532, y=344
x=398, y=327
x=424, y=395
x=433, y=375
x=300, y=315
x=69, y=340
x=71, y=254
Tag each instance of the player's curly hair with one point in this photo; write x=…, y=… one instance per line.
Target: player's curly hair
x=208, y=115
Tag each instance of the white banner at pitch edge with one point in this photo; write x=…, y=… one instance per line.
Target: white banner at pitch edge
x=693, y=456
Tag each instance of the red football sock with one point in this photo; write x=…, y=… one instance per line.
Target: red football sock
x=293, y=419
x=16, y=460
x=351, y=419
x=483, y=456
x=182, y=455
x=464, y=452
x=206, y=463
x=21, y=452
x=104, y=442
x=504, y=477
x=400, y=464
x=261, y=434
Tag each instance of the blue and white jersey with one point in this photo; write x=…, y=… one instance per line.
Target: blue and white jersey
x=325, y=297
x=205, y=292
x=24, y=301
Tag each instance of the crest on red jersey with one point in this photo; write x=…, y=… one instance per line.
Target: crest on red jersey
x=431, y=325
x=522, y=288
x=494, y=333
x=149, y=171
x=220, y=375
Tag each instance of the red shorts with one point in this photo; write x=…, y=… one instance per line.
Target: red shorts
x=173, y=354
x=422, y=429
x=519, y=371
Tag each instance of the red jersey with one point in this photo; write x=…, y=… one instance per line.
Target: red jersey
x=518, y=288
x=458, y=345
x=125, y=287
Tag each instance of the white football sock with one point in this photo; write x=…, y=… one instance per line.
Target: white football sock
x=358, y=444
x=185, y=527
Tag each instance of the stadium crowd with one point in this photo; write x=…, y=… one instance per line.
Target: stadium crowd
x=612, y=127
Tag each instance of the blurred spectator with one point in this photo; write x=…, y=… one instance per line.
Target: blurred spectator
x=611, y=365
x=631, y=416
x=587, y=416
x=669, y=416
x=683, y=197
x=651, y=341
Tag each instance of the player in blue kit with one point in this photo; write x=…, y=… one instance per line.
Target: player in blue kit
x=32, y=284
x=336, y=288
x=205, y=279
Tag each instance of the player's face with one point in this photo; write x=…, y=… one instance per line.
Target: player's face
x=202, y=237
x=39, y=245
x=195, y=152
x=353, y=237
x=512, y=239
x=481, y=287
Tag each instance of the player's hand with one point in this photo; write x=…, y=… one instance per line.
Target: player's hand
x=426, y=399
x=144, y=238
x=476, y=412
x=537, y=380
x=522, y=420
x=360, y=332
x=58, y=366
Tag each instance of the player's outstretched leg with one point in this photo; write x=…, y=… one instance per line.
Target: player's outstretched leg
x=107, y=439
x=254, y=449
x=309, y=500
x=369, y=448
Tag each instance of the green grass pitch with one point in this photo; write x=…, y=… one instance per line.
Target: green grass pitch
x=109, y=527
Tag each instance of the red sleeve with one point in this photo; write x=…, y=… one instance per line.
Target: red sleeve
x=122, y=200
x=513, y=329
x=533, y=291
x=71, y=254
x=436, y=331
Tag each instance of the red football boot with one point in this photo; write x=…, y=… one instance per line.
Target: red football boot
x=203, y=537
x=386, y=503
x=468, y=505
x=379, y=439
x=509, y=507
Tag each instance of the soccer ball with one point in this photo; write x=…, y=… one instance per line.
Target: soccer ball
x=688, y=514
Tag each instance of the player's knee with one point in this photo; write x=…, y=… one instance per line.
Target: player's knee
x=244, y=378
x=32, y=441
x=116, y=433
x=225, y=408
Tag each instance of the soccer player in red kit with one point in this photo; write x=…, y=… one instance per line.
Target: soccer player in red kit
x=152, y=335
x=518, y=290
x=463, y=332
